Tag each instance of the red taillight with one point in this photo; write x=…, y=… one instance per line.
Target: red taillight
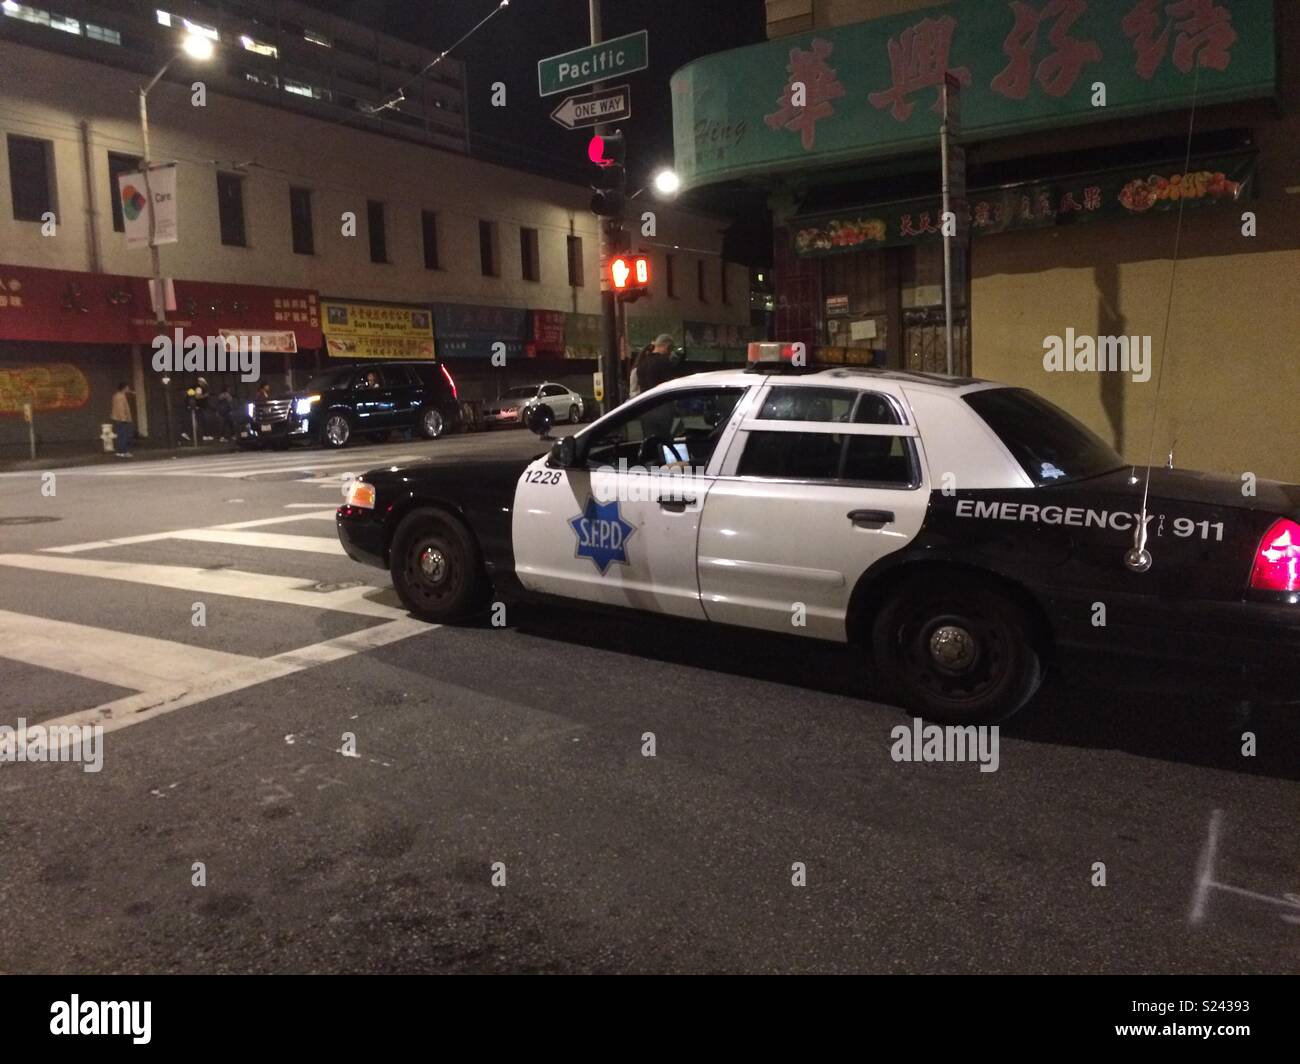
x=454, y=393
x=1277, y=562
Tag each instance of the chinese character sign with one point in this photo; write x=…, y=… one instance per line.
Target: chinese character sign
x=873, y=88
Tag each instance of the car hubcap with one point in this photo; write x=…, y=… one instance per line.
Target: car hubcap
x=953, y=648
x=433, y=423
x=433, y=565
x=336, y=429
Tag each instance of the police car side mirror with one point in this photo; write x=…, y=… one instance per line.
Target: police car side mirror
x=564, y=453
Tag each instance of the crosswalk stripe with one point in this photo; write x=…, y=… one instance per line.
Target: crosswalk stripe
x=186, y=533
x=315, y=515
x=135, y=709
x=272, y=540
x=138, y=662
x=242, y=467
x=234, y=583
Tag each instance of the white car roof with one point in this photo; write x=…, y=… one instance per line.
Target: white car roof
x=850, y=376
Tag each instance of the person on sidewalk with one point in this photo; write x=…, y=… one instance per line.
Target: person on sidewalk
x=123, y=421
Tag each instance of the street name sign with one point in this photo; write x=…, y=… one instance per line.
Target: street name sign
x=607, y=105
x=596, y=62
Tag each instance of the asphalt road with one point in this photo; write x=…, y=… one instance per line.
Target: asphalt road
x=521, y=747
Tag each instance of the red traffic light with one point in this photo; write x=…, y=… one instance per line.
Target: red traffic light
x=596, y=151
x=607, y=150
x=627, y=272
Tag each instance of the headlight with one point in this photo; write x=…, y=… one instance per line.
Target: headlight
x=359, y=494
x=251, y=408
x=303, y=406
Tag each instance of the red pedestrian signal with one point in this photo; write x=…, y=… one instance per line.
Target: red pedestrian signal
x=629, y=273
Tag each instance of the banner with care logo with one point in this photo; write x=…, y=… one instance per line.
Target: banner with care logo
x=133, y=191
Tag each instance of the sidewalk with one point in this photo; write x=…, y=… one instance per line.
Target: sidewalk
x=60, y=456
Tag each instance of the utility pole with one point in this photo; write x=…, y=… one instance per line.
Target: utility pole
x=610, y=229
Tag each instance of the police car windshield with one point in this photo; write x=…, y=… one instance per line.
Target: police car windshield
x=1050, y=445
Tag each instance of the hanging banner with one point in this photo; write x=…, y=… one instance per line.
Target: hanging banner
x=1108, y=194
x=135, y=196
x=365, y=330
x=583, y=336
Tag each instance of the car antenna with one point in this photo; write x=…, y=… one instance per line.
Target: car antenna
x=1138, y=558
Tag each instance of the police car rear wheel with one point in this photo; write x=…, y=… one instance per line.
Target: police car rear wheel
x=436, y=566
x=956, y=650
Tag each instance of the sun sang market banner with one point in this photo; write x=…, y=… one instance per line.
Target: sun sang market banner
x=1121, y=193
x=872, y=88
x=365, y=330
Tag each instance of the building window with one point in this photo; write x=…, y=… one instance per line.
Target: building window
x=670, y=279
x=576, y=279
x=304, y=237
x=166, y=18
x=699, y=281
x=528, y=256
x=378, y=231
x=723, y=294
x=31, y=170
x=119, y=164
x=302, y=88
x=312, y=37
x=102, y=33
x=260, y=47
x=487, y=248
x=230, y=207
x=429, y=236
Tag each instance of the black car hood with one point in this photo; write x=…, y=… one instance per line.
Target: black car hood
x=1191, y=485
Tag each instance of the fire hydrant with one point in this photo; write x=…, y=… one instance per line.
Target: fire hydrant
x=106, y=437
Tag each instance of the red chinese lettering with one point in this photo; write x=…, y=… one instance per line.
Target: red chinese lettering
x=918, y=60
x=820, y=86
x=1204, y=34
x=1092, y=198
x=1057, y=72
x=981, y=215
x=1069, y=204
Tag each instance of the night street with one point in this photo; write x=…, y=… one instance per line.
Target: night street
x=224, y=744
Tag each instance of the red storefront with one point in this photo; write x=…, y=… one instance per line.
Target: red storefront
x=67, y=339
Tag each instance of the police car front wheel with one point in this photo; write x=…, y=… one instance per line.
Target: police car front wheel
x=436, y=566
x=955, y=649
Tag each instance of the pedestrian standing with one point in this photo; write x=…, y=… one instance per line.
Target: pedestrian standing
x=123, y=420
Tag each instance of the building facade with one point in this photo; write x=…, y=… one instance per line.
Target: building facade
x=1081, y=184
x=286, y=205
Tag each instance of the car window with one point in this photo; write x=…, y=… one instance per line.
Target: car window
x=520, y=393
x=395, y=376
x=367, y=380
x=683, y=426
x=828, y=404
x=1050, y=445
x=553, y=389
x=323, y=382
x=834, y=456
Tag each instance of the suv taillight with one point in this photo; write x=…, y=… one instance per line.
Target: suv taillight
x=1277, y=561
x=454, y=393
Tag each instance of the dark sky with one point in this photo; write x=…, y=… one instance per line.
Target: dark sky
x=508, y=47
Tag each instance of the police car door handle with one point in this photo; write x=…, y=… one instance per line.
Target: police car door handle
x=867, y=518
x=677, y=506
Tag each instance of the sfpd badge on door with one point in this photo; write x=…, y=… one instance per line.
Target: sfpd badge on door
x=602, y=534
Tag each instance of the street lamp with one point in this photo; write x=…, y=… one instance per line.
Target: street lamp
x=196, y=46
x=667, y=183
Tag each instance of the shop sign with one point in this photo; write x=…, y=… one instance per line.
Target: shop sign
x=874, y=88
x=1110, y=194
x=471, y=330
x=370, y=330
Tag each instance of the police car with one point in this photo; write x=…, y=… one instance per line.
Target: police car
x=962, y=534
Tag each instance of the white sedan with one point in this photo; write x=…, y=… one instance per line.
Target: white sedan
x=514, y=405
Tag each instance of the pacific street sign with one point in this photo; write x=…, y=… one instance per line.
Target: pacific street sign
x=607, y=105
x=596, y=62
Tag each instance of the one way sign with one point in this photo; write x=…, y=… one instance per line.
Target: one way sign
x=607, y=105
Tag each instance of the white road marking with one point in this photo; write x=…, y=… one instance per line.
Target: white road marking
x=1205, y=881
x=302, y=506
x=234, y=583
x=180, y=533
x=119, y=658
x=136, y=709
x=315, y=515
x=271, y=540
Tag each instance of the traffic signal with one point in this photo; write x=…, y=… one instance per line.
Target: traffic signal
x=629, y=276
x=610, y=180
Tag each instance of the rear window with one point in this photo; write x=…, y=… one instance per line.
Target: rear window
x=1051, y=446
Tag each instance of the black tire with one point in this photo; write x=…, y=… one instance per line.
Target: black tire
x=337, y=430
x=436, y=566
x=432, y=423
x=574, y=414
x=955, y=649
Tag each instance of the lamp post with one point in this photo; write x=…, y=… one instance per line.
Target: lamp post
x=198, y=47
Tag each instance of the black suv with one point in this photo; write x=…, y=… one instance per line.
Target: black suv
x=358, y=400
